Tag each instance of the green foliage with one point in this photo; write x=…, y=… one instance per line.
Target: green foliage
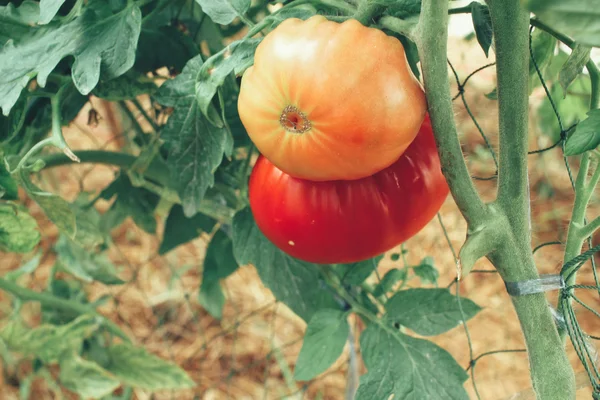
x=427, y=271
x=429, y=312
x=219, y=263
x=324, y=341
x=578, y=19
x=357, y=273
x=225, y=11
x=407, y=368
x=388, y=281
x=573, y=66
x=84, y=265
x=586, y=135
x=180, y=229
x=483, y=25
x=18, y=230
x=196, y=146
x=293, y=282
x=107, y=41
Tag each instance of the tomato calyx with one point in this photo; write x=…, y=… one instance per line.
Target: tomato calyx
x=293, y=120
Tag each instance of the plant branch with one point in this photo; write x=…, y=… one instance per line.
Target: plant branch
x=367, y=11
x=49, y=300
x=431, y=40
x=589, y=229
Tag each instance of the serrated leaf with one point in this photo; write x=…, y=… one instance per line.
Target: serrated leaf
x=87, y=221
x=49, y=342
x=84, y=264
x=236, y=58
x=48, y=9
x=388, y=281
x=180, y=229
x=573, y=66
x=586, y=135
x=427, y=271
x=196, y=146
x=102, y=43
x=357, y=273
x=86, y=378
x=135, y=202
x=401, y=8
x=18, y=230
x=429, y=312
x=408, y=368
x=324, y=342
x=578, y=19
x=482, y=22
x=15, y=22
x=136, y=367
x=123, y=88
x=224, y=11
x=219, y=263
x=295, y=283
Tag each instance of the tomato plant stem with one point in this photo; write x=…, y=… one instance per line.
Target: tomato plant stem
x=49, y=300
x=501, y=230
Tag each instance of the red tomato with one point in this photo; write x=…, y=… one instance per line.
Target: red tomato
x=327, y=101
x=350, y=221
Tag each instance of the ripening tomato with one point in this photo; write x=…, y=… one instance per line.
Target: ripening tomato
x=349, y=221
x=330, y=101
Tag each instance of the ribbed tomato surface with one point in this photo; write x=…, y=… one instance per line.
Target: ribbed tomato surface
x=330, y=101
x=349, y=221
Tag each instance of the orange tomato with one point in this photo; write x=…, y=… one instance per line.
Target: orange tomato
x=330, y=101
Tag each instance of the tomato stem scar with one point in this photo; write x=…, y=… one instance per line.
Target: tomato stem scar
x=294, y=120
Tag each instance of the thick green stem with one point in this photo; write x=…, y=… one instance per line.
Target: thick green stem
x=49, y=300
x=432, y=42
x=551, y=372
x=509, y=218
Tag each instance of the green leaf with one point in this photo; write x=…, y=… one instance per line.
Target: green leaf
x=357, y=273
x=87, y=221
x=236, y=58
x=15, y=23
x=295, y=283
x=388, y=281
x=219, y=263
x=180, y=229
x=164, y=46
x=408, y=368
x=429, y=312
x=212, y=298
x=123, y=88
x=482, y=22
x=24, y=269
x=8, y=186
x=324, y=341
x=493, y=95
x=137, y=203
x=136, y=367
x=196, y=146
x=578, y=19
x=85, y=265
x=18, y=230
x=426, y=271
x=401, y=8
x=49, y=342
x=11, y=125
x=224, y=11
x=48, y=9
x=102, y=42
x=586, y=136
x=86, y=378
x=542, y=45
x=573, y=66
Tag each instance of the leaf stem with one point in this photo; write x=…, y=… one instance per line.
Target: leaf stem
x=49, y=300
x=367, y=11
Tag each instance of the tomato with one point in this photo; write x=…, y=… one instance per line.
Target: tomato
x=330, y=101
x=348, y=221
